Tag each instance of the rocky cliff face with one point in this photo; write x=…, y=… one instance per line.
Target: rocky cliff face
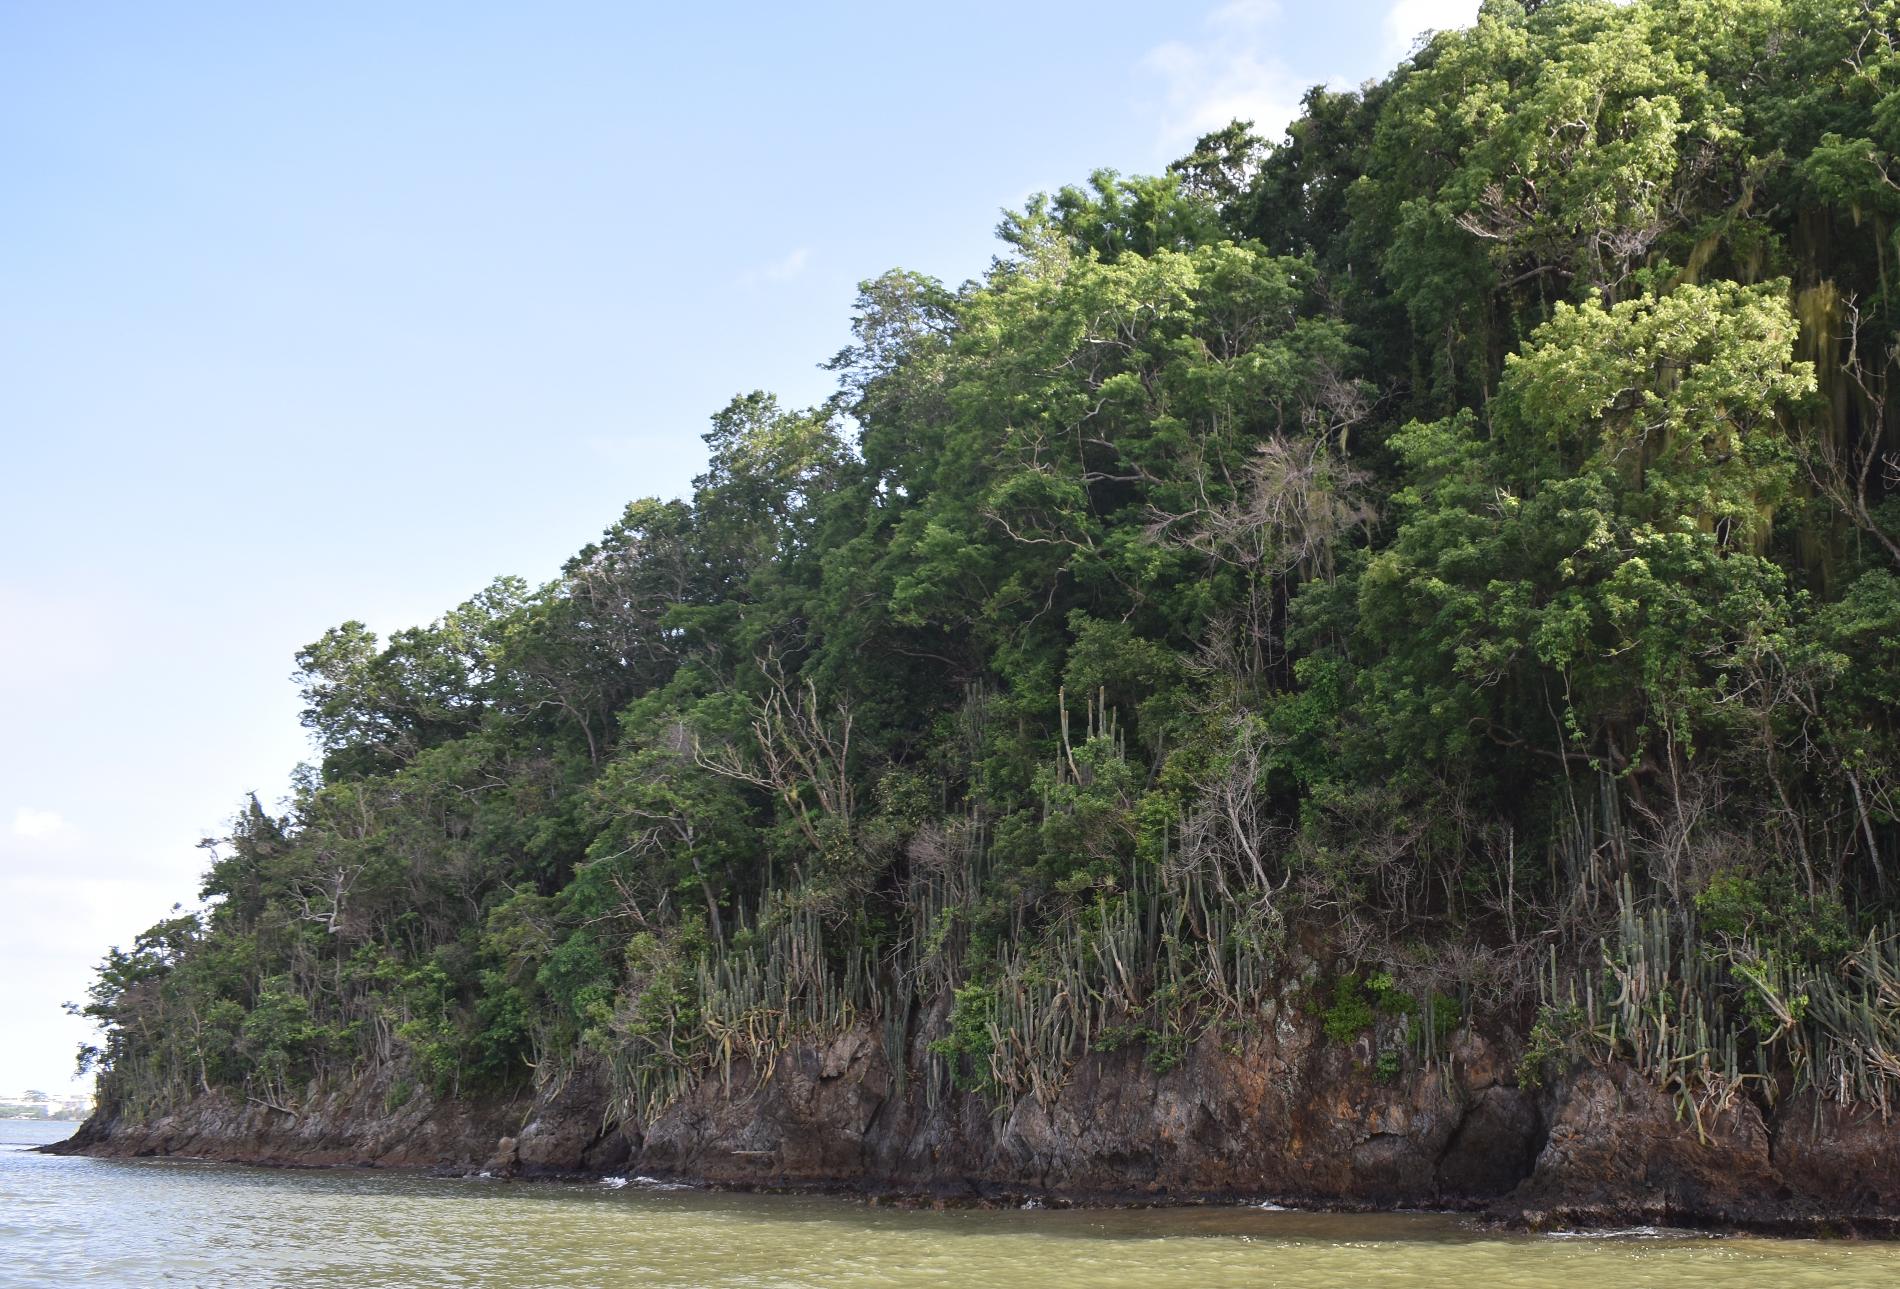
x=1286, y=1116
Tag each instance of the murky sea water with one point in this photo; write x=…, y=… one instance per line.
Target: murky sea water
x=72, y=1222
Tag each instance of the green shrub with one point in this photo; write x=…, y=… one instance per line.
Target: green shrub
x=1388, y=997
x=1350, y=1014
x=1549, y=1041
x=1731, y=904
x=971, y=1017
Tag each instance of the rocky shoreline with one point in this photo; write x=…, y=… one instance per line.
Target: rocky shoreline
x=1286, y=1117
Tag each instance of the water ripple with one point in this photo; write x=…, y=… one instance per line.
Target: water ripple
x=72, y=1222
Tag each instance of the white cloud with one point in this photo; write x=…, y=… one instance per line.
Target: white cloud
x=1223, y=74
x=36, y=824
x=1406, y=20
x=789, y=267
x=780, y=270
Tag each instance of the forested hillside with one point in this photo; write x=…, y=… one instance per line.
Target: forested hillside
x=1452, y=551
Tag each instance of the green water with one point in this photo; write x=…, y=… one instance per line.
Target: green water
x=73, y=1222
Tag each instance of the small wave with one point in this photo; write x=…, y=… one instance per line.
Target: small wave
x=643, y=1183
x=1629, y=1233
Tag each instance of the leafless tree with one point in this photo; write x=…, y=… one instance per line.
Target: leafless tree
x=1226, y=831
x=799, y=751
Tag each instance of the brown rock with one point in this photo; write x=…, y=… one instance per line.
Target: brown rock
x=1285, y=1114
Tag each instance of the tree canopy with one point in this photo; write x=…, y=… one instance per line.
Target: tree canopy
x=1455, y=531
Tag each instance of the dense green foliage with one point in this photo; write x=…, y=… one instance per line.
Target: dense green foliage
x=1455, y=547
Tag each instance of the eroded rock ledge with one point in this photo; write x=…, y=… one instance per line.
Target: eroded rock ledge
x=1285, y=1117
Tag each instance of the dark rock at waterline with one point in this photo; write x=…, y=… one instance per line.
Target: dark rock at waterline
x=1283, y=1114
x=1621, y=1151
x=1495, y=1147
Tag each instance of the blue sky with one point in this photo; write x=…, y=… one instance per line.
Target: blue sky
x=319, y=312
